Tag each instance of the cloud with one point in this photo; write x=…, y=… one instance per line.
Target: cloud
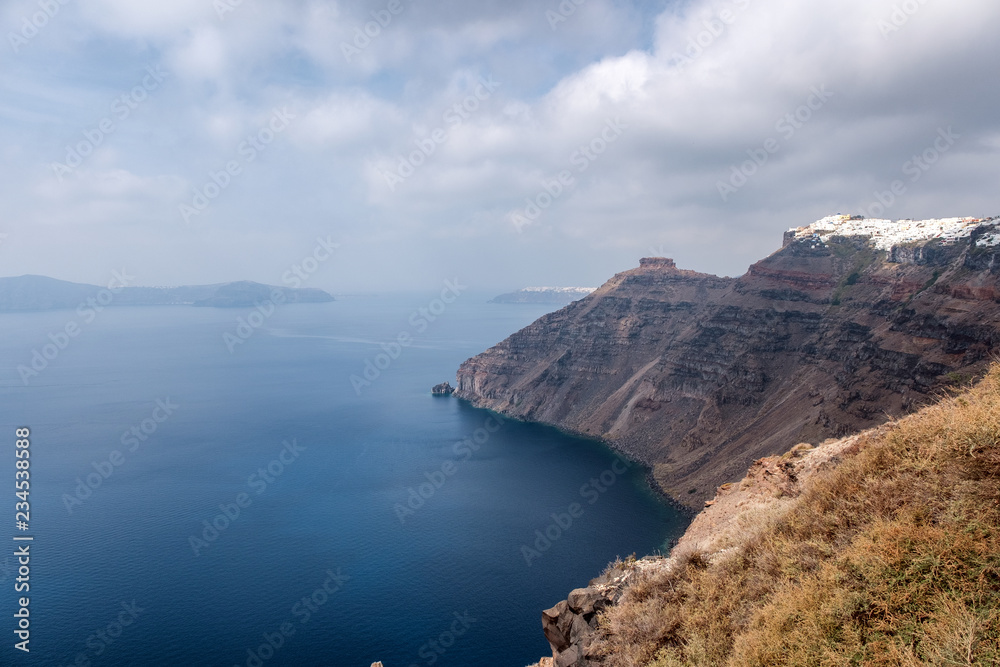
x=349, y=118
x=740, y=117
x=204, y=55
x=146, y=20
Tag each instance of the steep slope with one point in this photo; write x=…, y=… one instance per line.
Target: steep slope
x=697, y=376
x=882, y=548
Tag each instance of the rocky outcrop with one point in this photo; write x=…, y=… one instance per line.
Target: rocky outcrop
x=697, y=376
x=570, y=626
x=735, y=514
x=443, y=389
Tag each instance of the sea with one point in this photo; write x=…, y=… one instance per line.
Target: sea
x=258, y=486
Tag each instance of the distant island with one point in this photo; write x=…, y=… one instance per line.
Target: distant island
x=27, y=293
x=557, y=295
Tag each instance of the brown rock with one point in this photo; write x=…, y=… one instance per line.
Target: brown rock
x=556, y=625
x=586, y=601
x=697, y=376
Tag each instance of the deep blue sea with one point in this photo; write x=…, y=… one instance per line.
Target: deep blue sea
x=375, y=521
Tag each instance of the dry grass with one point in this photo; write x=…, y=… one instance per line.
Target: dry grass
x=892, y=558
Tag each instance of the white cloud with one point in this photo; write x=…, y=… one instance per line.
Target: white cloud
x=349, y=118
x=690, y=121
x=202, y=55
x=131, y=19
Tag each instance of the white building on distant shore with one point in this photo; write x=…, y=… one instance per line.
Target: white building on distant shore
x=885, y=234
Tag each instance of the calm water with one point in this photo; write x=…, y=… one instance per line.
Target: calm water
x=325, y=546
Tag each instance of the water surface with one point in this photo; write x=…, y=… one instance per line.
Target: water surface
x=365, y=529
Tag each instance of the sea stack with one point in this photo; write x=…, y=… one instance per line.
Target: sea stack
x=443, y=389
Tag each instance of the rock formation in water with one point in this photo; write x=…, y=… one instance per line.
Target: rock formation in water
x=443, y=389
x=697, y=376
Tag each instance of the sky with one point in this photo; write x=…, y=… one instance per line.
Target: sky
x=504, y=144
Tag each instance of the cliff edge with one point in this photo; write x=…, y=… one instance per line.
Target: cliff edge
x=879, y=548
x=850, y=323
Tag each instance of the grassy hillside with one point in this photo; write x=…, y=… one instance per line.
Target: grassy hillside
x=891, y=557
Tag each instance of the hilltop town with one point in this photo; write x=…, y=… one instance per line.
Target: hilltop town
x=885, y=234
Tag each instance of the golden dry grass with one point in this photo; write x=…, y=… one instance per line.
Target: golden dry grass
x=892, y=558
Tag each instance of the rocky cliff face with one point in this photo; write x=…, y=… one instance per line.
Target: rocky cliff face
x=697, y=376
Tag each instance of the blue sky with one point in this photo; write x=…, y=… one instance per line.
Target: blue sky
x=733, y=120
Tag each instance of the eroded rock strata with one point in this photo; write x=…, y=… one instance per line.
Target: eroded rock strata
x=697, y=376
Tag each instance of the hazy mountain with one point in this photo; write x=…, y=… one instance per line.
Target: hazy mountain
x=25, y=293
x=556, y=295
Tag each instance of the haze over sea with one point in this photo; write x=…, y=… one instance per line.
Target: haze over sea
x=328, y=514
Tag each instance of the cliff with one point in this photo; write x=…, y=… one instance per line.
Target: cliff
x=879, y=548
x=850, y=322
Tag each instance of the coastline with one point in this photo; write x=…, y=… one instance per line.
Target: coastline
x=689, y=513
